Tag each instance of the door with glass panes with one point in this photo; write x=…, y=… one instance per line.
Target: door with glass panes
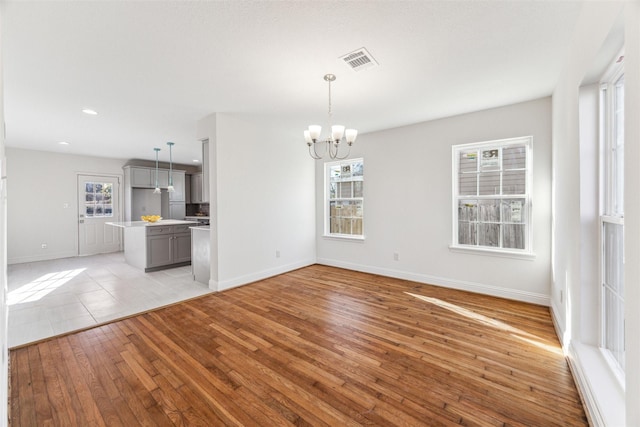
x=98, y=203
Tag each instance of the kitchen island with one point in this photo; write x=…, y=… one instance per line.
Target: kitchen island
x=157, y=245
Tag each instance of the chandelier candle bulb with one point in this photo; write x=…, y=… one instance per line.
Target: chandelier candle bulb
x=337, y=132
x=314, y=132
x=351, y=135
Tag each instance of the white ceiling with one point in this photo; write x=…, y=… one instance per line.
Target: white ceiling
x=152, y=69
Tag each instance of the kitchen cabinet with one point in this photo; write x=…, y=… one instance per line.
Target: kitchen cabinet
x=177, y=210
x=141, y=177
x=187, y=188
x=178, y=186
x=168, y=245
x=155, y=246
x=196, y=188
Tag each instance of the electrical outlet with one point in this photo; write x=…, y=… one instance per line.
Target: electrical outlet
x=44, y=246
x=396, y=257
x=277, y=254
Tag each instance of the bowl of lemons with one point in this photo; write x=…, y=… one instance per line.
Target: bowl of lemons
x=151, y=218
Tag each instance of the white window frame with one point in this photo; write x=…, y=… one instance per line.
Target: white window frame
x=527, y=251
x=328, y=200
x=611, y=213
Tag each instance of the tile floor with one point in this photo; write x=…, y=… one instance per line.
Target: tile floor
x=49, y=298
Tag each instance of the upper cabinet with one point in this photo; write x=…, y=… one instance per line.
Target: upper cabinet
x=141, y=177
x=196, y=188
x=178, y=186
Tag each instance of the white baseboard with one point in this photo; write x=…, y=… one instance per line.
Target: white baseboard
x=43, y=257
x=602, y=396
x=480, y=288
x=259, y=275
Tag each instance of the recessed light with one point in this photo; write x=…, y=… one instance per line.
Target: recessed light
x=90, y=111
x=196, y=161
x=63, y=143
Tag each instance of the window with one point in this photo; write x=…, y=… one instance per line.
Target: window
x=491, y=196
x=98, y=199
x=345, y=188
x=612, y=218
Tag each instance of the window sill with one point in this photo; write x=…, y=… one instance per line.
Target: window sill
x=344, y=237
x=493, y=252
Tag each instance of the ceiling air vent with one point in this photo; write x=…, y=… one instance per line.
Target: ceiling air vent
x=359, y=60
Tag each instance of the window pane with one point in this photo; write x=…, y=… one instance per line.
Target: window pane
x=489, y=183
x=613, y=267
x=357, y=188
x=468, y=210
x=614, y=326
x=334, y=172
x=468, y=161
x=345, y=217
x=345, y=189
x=468, y=184
x=514, y=158
x=89, y=210
x=467, y=233
x=513, y=236
x=357, y=169
x=489, y=235
x=490, y=160
x=489, y=211
x=513, y=210
x=514, y=182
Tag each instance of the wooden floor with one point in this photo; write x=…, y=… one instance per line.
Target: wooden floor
x=317, y=346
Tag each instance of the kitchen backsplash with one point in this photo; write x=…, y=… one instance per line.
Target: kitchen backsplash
x=197, y=209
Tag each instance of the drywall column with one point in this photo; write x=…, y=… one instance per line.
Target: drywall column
x=206, y=131
x=632, y=211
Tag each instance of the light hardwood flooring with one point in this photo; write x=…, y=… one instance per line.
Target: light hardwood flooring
x=318, y=346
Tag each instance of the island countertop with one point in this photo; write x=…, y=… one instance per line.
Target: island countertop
x=162, y=222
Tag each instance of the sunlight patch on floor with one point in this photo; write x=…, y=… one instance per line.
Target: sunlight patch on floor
x=514, y=332
x=42, y=286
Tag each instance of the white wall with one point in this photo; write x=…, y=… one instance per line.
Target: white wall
x=607, y=401
x=38, y=185
x=4, y=310
x=632, y=210
x=408, y=201
x=265, y=198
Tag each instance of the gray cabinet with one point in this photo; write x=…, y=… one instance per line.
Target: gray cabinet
x=196, y=188
x=168, y=245
x=187, y=188
x=141, y=177
x=177, y=210
x=178, y=187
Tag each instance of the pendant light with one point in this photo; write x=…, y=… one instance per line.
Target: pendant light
x=170, y=187
x=157, y=190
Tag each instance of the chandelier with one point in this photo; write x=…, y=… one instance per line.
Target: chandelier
x=332, y=142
